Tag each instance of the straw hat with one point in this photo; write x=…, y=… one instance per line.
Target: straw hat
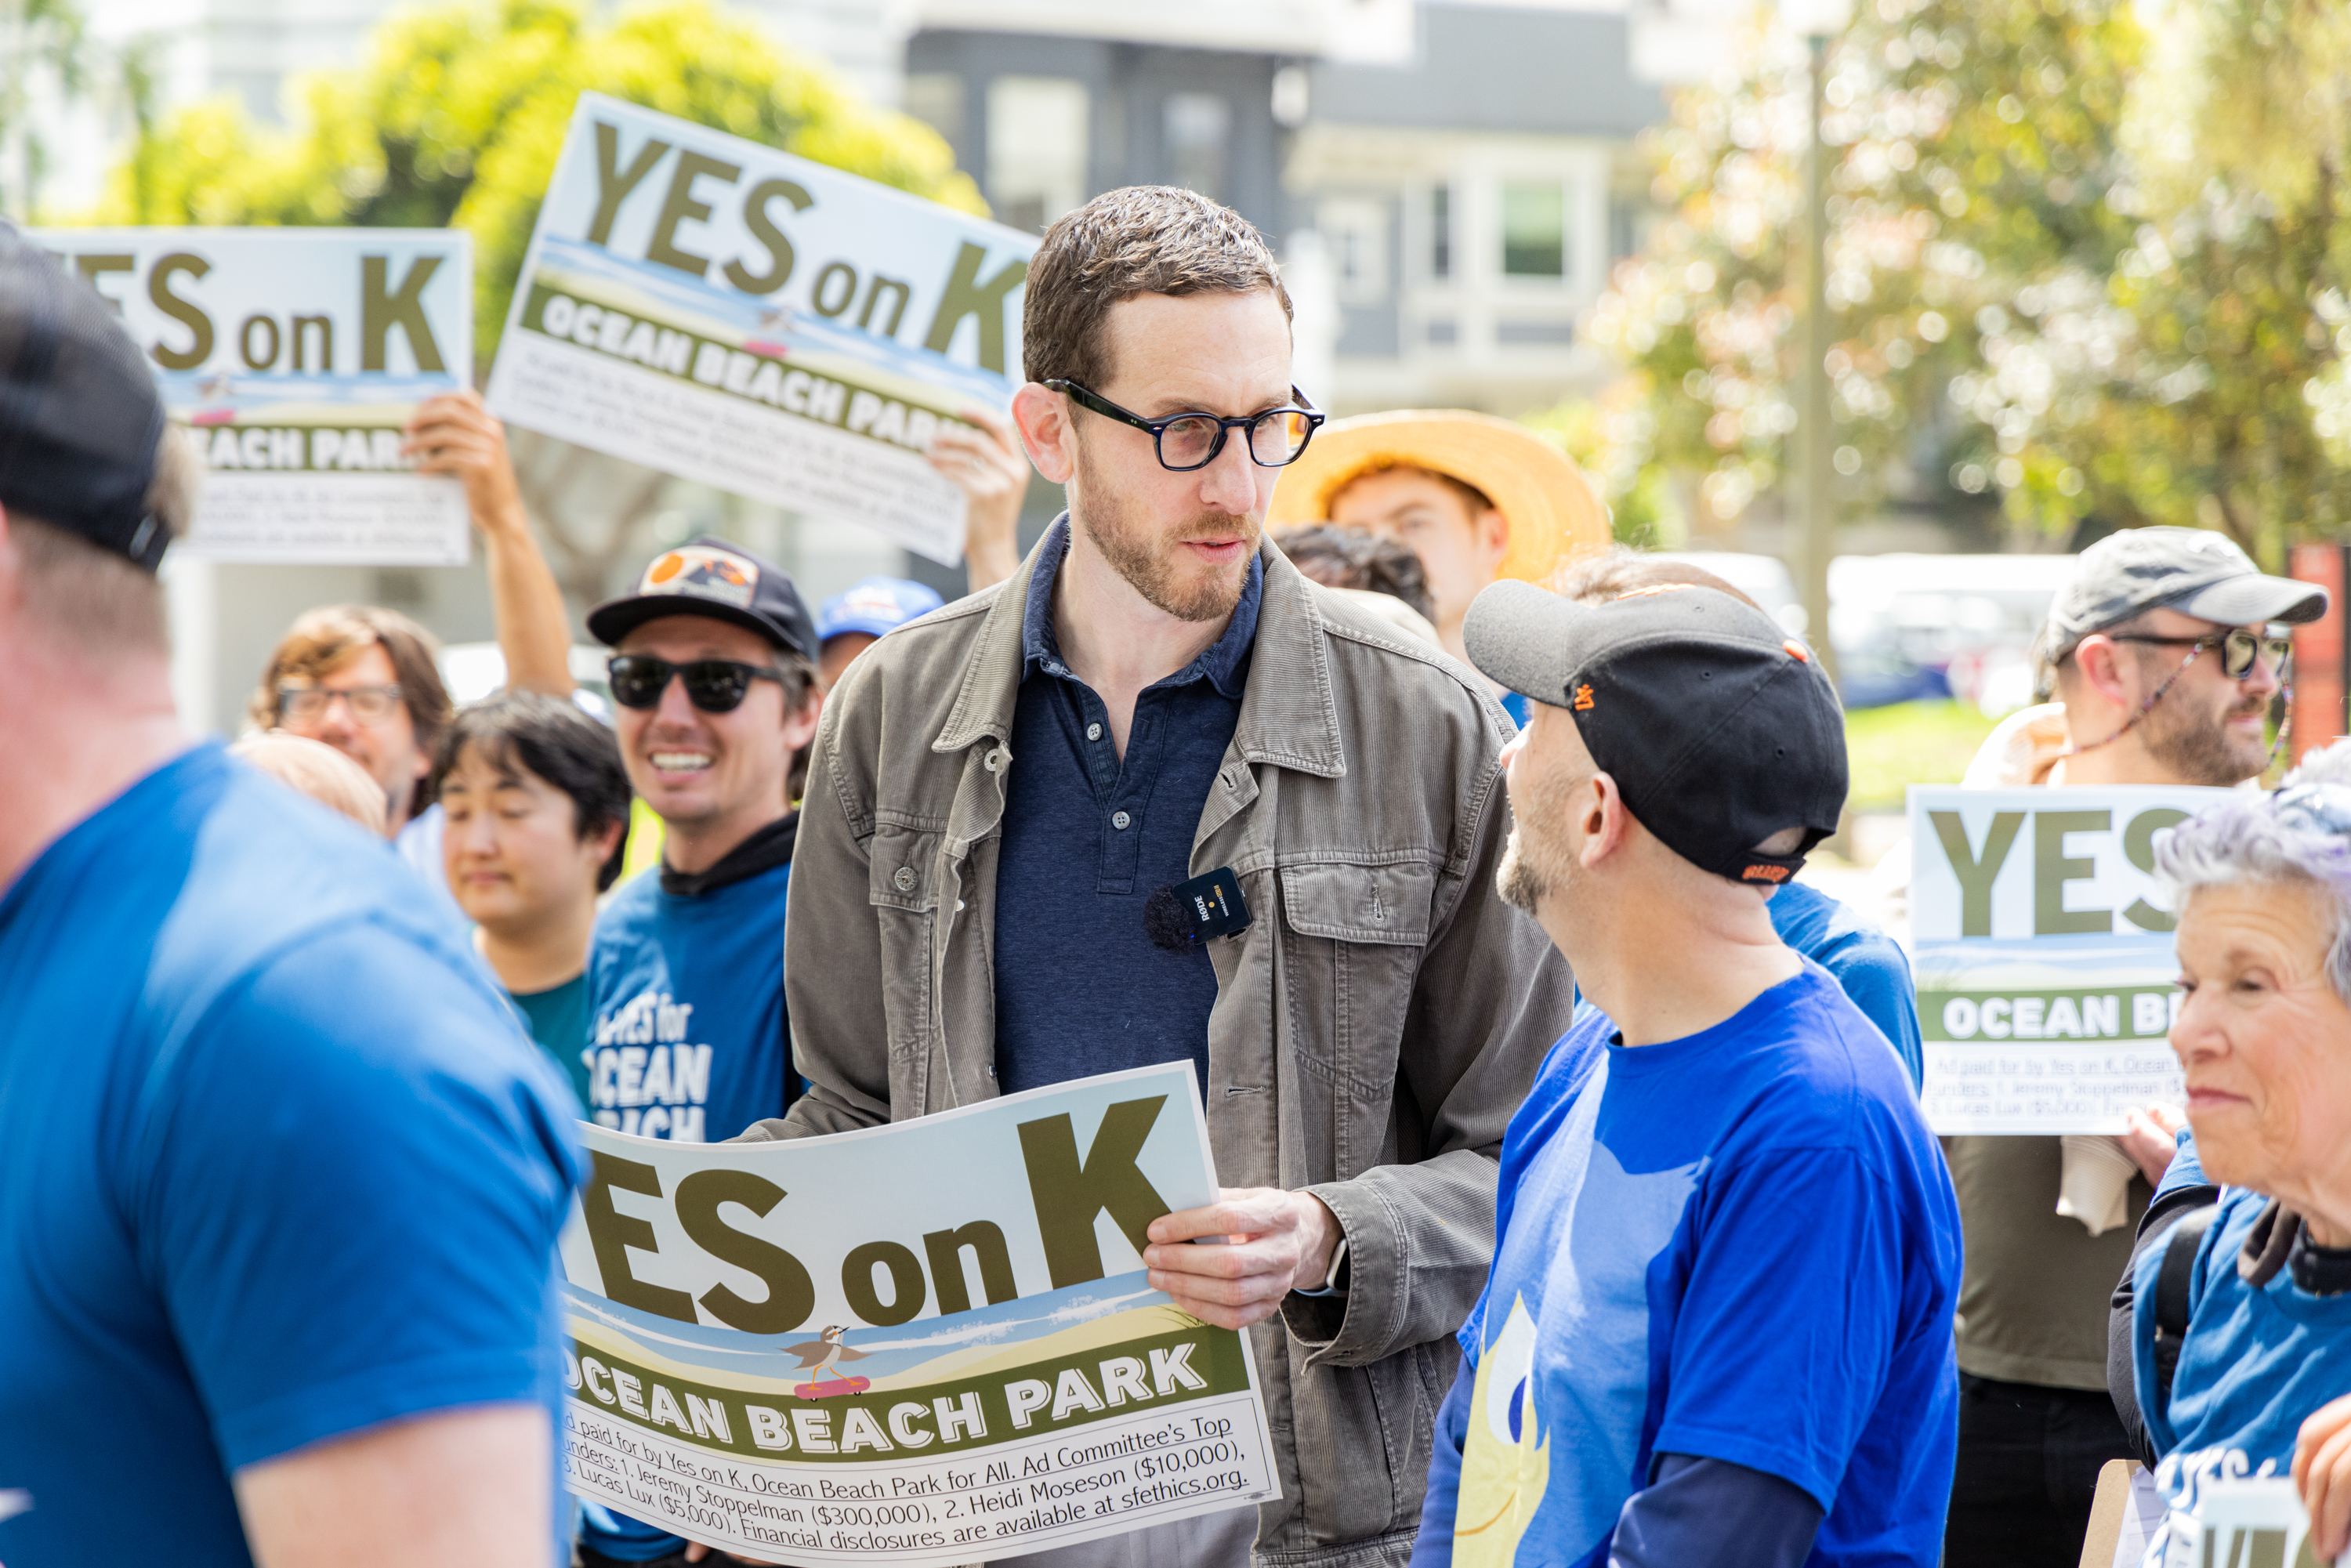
x=1550, y=506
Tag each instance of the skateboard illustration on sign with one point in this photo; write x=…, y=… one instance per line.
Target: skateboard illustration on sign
x=818, y=1356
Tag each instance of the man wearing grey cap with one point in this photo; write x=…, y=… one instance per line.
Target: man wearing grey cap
x=2168, y=645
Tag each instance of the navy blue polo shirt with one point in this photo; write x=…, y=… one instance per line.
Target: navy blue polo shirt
x=1079, y=987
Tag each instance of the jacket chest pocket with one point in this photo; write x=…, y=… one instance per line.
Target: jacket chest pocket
x=1351, y=937
x=903, y=884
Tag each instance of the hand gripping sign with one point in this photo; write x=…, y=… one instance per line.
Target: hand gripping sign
x=293, y=358
x=734, y=315
x=931, y=1342
x=2044, y=957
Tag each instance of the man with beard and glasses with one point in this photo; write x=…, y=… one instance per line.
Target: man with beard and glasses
x=1004, y=795
x=2166, y=665
x=1719, y=1328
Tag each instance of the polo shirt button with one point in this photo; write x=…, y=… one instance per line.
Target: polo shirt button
x=1119, y=819
x=1093, y=732
x=904, y=879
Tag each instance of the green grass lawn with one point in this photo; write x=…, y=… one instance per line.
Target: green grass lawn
x=1891, y=749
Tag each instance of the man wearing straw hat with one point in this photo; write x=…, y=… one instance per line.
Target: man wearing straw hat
x=1476, y=499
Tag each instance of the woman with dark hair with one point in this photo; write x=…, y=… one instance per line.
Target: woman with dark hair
x=537, y=805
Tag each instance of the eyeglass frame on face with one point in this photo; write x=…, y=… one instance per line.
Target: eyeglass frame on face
x=742, y=672
x=1088, y=399
x=390, y=697
x=2256, y=644
x=2196, y=647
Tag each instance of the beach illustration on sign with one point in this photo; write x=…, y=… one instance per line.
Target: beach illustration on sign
x=766, y=326
x=2044, y=962
x=1004, y=1338
x=206, y=399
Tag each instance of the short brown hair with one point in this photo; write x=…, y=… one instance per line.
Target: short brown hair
x=1145, y=239
x=1357, y=557
x=97, y=598
x=321, y=642
x=1596, y=579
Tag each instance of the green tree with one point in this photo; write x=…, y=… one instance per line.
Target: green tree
x=458, y=114
x=49, y=59
x=1973, y=146
x=2226, y=406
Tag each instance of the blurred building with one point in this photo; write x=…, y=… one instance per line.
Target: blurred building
x=1449, y=182
x=1469, y=200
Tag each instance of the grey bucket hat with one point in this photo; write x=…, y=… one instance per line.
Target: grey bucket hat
x=2193, y=570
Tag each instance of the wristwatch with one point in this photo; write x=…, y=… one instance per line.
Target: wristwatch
x=1334, y=1283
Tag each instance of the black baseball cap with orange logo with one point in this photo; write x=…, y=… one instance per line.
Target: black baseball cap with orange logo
x=708, y=575
x=1720, y=731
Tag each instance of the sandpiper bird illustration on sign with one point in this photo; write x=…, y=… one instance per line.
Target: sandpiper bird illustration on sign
x=818, y=1356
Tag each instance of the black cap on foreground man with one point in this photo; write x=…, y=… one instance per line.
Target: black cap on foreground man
x=280, y=1179
x=1718, y=1329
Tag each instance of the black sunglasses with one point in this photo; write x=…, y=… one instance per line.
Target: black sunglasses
x=2238, y=648
x=1277, y=437
x=713, y=686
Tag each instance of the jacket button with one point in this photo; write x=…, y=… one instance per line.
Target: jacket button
x=1119, y=819
x=993, y=760
x=904, y=879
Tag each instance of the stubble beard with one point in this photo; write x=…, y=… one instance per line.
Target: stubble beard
x=1535, y=869
x=2197, y=748
x=1154, y=567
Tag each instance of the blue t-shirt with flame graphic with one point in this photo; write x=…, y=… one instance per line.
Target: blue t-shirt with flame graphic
x=1740, y=1246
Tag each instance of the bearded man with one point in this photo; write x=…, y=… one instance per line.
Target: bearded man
x=1158, y=695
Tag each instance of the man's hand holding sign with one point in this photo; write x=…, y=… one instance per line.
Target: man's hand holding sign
x=1274, y=1242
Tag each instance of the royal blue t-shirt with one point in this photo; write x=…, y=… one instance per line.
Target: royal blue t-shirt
x=688, y=1040
x=685, y=1006
x=2254, y=1364
x=1866, y=961
x=1739, y=1245
x=277, y=1164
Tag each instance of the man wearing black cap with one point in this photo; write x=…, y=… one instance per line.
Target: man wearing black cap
x=1718, y=1324
x=2168, y=645
x=714, y=675
x=280, y=1180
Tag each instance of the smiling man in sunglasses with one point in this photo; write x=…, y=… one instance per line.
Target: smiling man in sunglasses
x=1005, y=796
x=2168, y=645
x=715, y=691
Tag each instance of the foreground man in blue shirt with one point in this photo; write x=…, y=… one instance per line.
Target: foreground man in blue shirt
x=280, y=1177
x=1718, y=1325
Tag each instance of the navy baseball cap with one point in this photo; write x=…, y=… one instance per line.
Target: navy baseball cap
x=708, y=575
x=877, y=607
x=80, y=417
x=1719, y=729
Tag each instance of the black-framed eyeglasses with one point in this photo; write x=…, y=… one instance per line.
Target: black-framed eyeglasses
x=307, y=704
x=713, y=686
x=2238, y=648
x=1278, y=437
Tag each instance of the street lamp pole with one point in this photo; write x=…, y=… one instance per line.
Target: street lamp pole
x=1816, y=470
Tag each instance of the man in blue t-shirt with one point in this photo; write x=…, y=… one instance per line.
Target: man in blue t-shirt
x=1719, y=1323
x=715, y=680
x=280, y=1177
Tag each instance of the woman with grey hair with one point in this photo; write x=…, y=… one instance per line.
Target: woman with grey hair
x=2240, y=1320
